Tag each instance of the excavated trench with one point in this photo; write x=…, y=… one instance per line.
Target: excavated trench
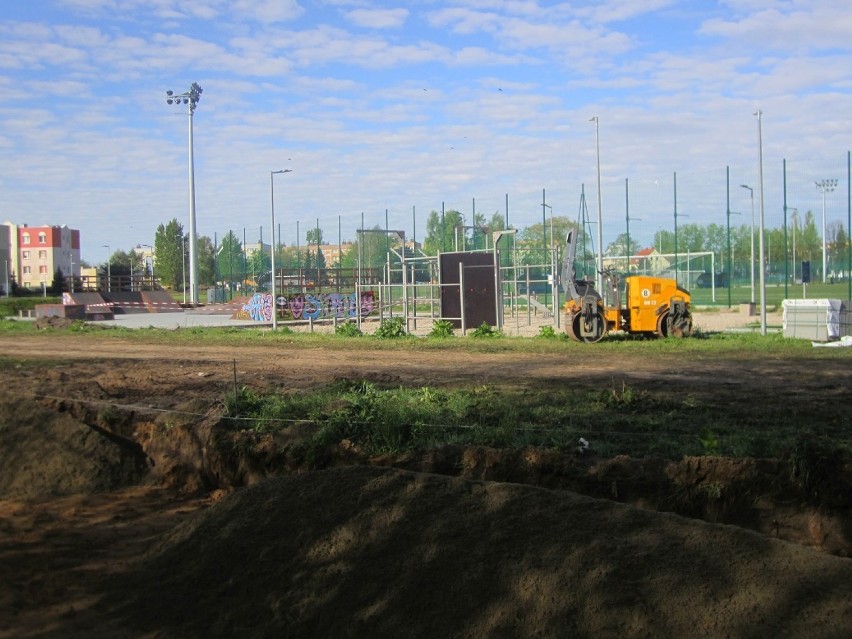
x=68, y=447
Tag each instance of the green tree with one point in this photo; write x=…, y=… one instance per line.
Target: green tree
x=206, y=261
x=370, y=248
x=716, y=239
x=313, y=236
x=57, y=286
x=286, y=258
x=168, y=254
x=837, y=247
x=809, y=244
x=664, y=241
x=230, y=259
x=441, y=233
x=259, y=262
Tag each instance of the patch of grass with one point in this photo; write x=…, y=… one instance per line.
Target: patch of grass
x=8, y=325
x=619, y=420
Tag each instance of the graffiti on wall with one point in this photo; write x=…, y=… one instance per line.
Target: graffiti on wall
x=309, y=306
x=259, y=307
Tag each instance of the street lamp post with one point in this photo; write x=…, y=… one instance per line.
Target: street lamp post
x=826, y=186
x=190, y=98
x=272, y=207
x=599, y=278
x=751, y=262
x=109, y=271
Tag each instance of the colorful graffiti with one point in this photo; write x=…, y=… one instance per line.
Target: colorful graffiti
x=259, y=307
x=309, y=306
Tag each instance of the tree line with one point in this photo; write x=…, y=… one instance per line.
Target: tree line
x=452, y=231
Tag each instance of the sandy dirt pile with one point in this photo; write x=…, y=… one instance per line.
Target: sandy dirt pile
x=371, y=552
x=44, y=452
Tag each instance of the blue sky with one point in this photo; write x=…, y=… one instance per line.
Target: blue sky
x=406, y=107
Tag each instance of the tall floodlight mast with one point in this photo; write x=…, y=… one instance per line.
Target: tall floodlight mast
x=190, y=99
x=825, y=186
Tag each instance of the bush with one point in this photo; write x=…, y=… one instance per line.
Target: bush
x=391, y=328
x=485, y=330
x=547, y=332
x=348, y=329
x=441, y=328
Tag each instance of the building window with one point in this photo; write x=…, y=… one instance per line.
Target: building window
x=42, y=255
x=26, y=238
x=42, y=238
x=27, y=270
x=26, y=255
x=42, y=269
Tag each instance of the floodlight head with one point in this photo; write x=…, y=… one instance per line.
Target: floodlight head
x=169, y=101
x=170, y=92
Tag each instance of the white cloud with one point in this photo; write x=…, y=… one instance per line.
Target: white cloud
x=378, y=18
x=267, y=11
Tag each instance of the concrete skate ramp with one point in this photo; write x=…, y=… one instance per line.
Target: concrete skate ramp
x=124, y=302
x=160, y=302
x=130, y=302
x=97, y=308
x=88, y=299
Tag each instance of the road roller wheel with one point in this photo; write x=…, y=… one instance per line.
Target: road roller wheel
x=590, y=332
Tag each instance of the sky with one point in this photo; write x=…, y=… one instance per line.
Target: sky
x=390, y=110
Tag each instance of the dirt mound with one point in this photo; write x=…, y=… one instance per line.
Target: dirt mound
x=365, y=551
x=45, y=453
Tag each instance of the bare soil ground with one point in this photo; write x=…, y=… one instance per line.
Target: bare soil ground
x=120, y=517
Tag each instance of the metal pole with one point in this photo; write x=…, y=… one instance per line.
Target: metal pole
x=728, y=218
x=339, y=252
x=751, y=263
x=786, y=261
x=795, y=224
x=627, y=221
x=443, y=230
x=273, y=274
x=599, y=277
x=193, y=256
x=759, y=115
x=461, y=297
x=183, y=265
x=675, y=225
x=272, y=257
x=507, y=211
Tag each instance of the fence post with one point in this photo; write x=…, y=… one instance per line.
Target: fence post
x=461, y=296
